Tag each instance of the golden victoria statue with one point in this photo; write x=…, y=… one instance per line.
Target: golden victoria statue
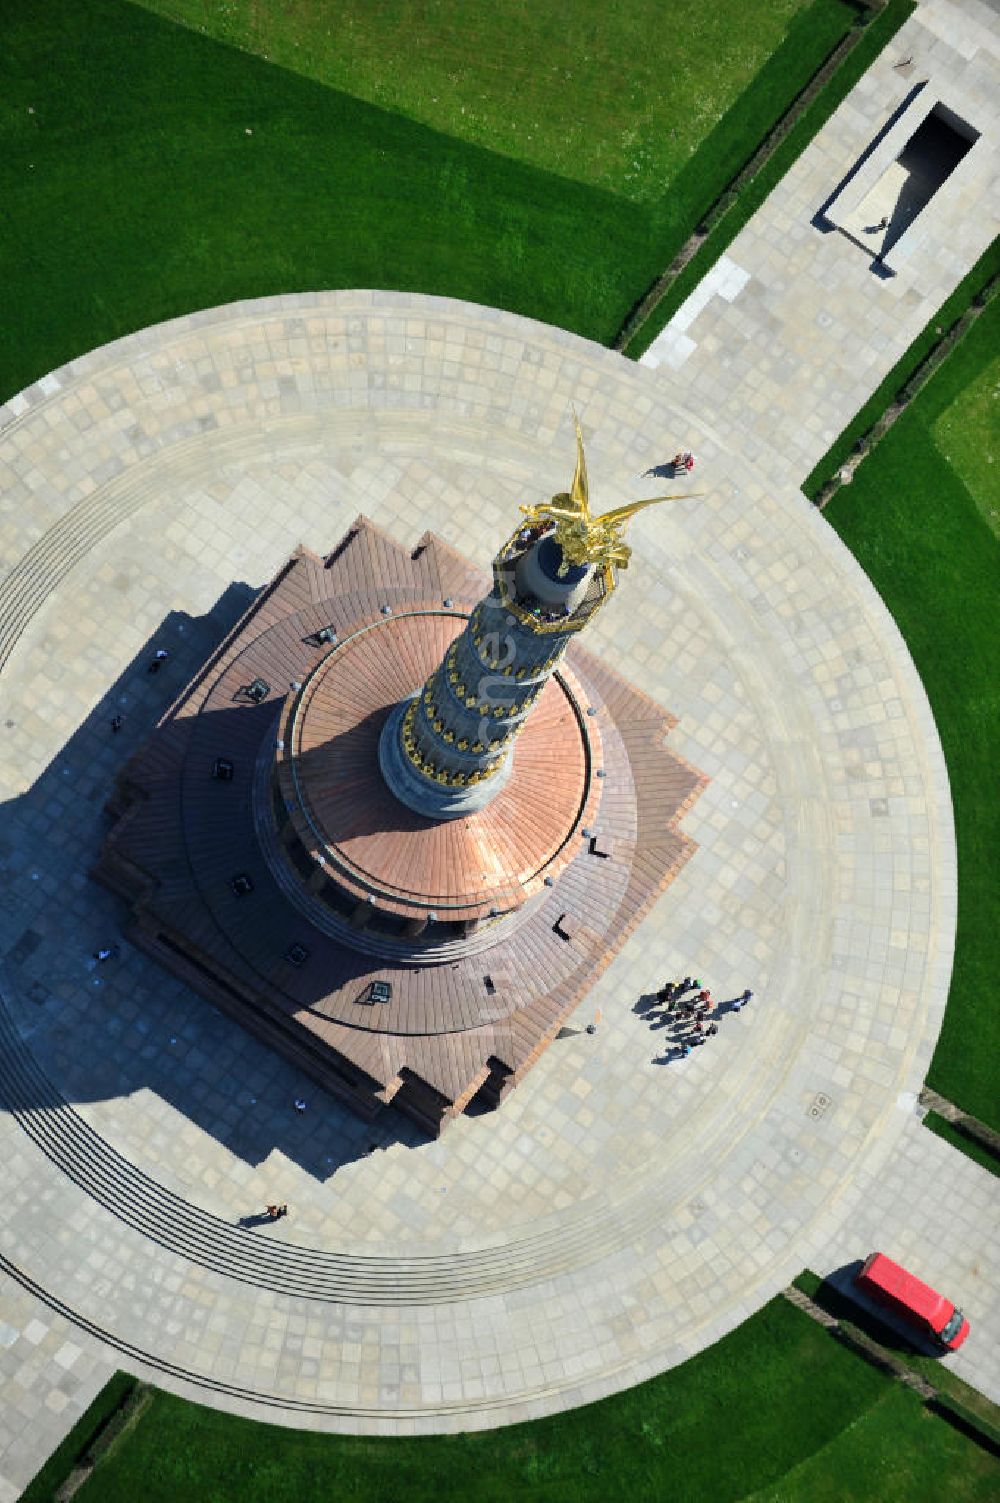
x=585, y=539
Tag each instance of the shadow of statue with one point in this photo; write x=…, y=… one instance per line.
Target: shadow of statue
x=73, y=1031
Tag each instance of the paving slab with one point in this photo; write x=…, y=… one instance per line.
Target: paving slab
x=653, y=1205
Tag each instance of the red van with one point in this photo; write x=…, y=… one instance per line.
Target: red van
x=885, y=1281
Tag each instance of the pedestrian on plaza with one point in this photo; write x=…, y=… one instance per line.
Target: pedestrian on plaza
x=746, y=996
x=300, y=1105
x=667, y=992
x=711, y=1030
x=685, y=1050
x=699, y=1026
x=158, y=660
x=117, y=724
x=107, y=953
x=276, y=1212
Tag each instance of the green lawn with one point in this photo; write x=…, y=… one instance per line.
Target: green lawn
x=968, y=436
x=895, y=1452
x=862, y=1322
x=733, y=1420
x=147, y=170
x=617, y=96
x=917, y=523
x=880, y=27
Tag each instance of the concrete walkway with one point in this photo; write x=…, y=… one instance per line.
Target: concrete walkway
x=791, y=331
x=935, y=1210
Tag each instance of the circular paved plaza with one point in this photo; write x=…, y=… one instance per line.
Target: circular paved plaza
x=618, y=1213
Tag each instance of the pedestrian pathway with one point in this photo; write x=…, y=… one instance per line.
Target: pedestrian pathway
x=791, y=331
x=936, y=1211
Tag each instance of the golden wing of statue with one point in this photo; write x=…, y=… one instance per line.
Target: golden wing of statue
x=585, y=538
x=619, y=514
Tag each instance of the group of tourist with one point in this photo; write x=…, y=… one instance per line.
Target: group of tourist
x=686, y=1008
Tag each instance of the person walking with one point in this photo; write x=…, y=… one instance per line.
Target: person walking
x=276, y=1212
x=108, y=952
x=117, y=724
x=158, y=659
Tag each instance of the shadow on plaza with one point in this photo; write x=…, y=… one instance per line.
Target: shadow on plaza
x=820, y=220
x=104, y=1031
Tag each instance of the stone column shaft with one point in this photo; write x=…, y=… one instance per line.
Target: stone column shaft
x=448, y=750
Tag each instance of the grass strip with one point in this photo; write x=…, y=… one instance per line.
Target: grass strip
x=112, y=1400
x=738, y=209
x=934, y=344
x=736, y=1417
x=808, y=1282
x=986, y=1436
x=919, y=534
x=953, y=1133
